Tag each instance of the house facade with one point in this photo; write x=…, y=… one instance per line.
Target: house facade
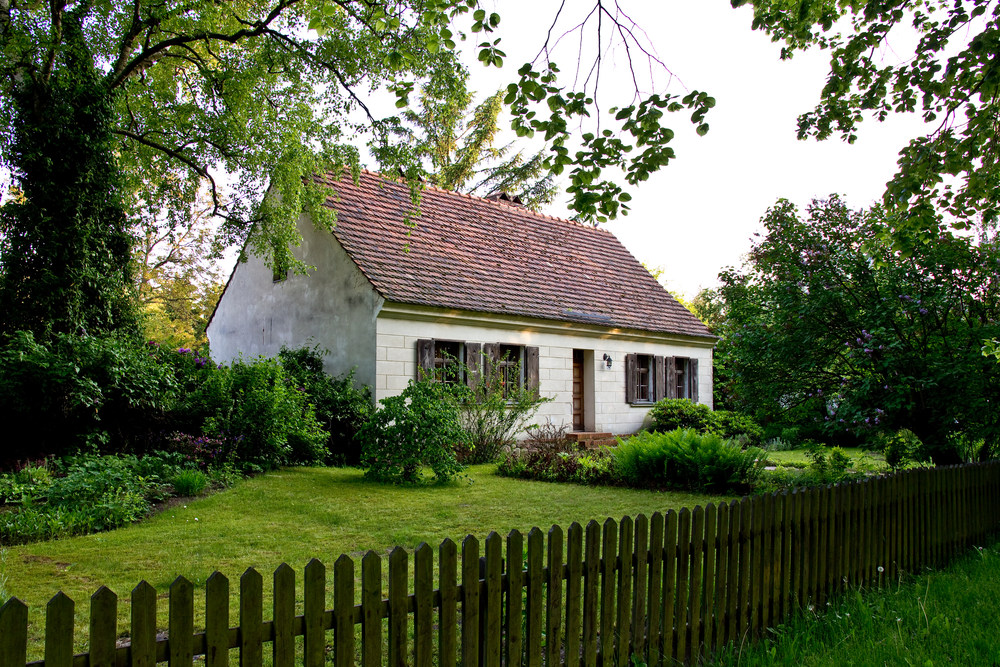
x=398, y=293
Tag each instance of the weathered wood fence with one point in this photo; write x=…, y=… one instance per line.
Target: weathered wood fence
x=668, y=588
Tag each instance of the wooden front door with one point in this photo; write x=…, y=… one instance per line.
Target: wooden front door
x=578, y=421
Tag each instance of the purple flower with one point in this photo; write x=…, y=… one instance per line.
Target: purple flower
x=923, y=311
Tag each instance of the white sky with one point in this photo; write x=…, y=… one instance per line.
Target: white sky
x=697, y=215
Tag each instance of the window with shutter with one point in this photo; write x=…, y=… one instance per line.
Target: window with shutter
x=645, y=379
x=439, y=359
x=685, y=382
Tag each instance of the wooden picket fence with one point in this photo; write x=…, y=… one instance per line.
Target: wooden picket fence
x=668, y=589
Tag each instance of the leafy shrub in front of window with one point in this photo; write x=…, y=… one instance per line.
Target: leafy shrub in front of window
x=672, y=413
x=418, y=428
x=340, y=406
x=492, y=413
x=687, y=459
x=669, y=414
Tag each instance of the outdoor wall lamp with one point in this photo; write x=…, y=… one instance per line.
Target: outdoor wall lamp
x=607, y=359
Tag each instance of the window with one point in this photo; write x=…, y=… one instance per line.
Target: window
x=643, y=379
x=649, y=378
x=516, y=364
x=510, y=368
x=446, y=356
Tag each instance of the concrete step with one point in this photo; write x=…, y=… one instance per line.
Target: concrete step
x=592, y=440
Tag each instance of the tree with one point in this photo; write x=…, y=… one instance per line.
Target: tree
x=830, y=328
x=951, y=78
x=97, y=100
x=178, y=281
x=459, y=150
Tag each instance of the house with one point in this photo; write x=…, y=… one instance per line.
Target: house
x=483, y=280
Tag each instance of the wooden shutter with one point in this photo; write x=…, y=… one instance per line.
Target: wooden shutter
x=660, y=378
x=630, y=361
x=531, y=368
x=671, y=377
x=491, y=355
x=473, y=364
x=693, y=379
x=425, y=358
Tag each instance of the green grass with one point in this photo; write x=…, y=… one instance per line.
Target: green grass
x=295, y=515
x=946, y=617
x=860, y=457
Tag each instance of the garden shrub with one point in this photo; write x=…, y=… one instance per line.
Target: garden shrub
x=687, y=459
x=673, y=413
x=492, y=414
x=899, y=448
x=669, y=414
x=341, y=407
x=79, y=391
x=551, y=465
x=419, y=427
x=268, y=422
x=190, y=482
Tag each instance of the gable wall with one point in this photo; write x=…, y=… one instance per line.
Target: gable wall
x=397, y=361
x=334, y=306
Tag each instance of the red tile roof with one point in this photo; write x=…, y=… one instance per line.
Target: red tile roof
x=475, y=254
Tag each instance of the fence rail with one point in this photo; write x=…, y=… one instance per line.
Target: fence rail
x=669, y=588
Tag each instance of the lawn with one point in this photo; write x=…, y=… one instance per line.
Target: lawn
x=292, y=516
x=946, y=617
x=863, y=459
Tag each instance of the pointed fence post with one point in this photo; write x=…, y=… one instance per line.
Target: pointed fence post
x=283, y=617
x=13, y=633
x=217, y=621
x=103, y=627
x=143, y=625
x=181, y=623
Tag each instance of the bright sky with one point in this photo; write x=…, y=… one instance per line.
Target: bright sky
x=697, y=215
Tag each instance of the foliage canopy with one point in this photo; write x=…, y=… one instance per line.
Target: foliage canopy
x=949, y=75
x=829, y=327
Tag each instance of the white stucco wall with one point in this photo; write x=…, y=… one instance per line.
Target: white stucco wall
x=334, y=306
x=399, y=327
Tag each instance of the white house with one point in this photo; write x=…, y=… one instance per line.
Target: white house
x=482, y=280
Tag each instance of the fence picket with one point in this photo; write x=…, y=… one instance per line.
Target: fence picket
x=624, y=600
x=574, y=593
x=14, y=632
x=283, y=617
x=371, y=610
x=314, y=599
x=670, y=616
x=59, y=613
x=217, y=620
x=492, y=605
x=448, y=612
x=103, y=628
x=708, y=612
x=609, y=554
x=514, y=654
x=251, y=618
x=553, y=597
x=591, y=596
x=181, y=623
x=143, y=648
x=653, y=596
x=697, y=568
x=721, y=573
x=767, y=577
x=398, y=611
x=640, y=584
x=470, y=598
x=343, y=611
x=534, y=598
x=423, y=617
x=683, y=582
